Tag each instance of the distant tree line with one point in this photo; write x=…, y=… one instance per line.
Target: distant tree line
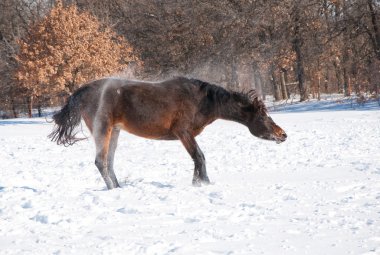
x=279, y=47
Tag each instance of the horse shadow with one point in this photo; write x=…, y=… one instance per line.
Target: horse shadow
x=134, y=184
x=161, y=185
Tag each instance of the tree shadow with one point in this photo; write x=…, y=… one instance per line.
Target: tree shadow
x=19, y=187
x=22, y=122
x=327, y=105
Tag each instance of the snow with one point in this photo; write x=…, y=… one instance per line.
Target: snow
x=316, y=193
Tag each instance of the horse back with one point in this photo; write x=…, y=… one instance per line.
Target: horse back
x=151, y=110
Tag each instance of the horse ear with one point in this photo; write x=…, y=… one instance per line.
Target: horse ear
x=252, y=95
x=257, y=102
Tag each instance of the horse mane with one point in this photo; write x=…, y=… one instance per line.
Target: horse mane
x=213, y=92
x=218, y=93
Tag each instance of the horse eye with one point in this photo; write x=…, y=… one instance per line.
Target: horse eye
x=259, y=118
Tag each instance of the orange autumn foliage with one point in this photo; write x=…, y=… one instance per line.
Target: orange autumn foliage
x=67, y=48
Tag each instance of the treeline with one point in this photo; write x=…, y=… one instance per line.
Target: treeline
x=280, y=47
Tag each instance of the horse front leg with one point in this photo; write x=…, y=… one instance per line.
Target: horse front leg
x=102, y=134
x=111, y=155
x=200, y=173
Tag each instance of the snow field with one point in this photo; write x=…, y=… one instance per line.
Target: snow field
x=317, y=193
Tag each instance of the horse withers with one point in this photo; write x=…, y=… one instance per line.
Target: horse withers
x=179, y=108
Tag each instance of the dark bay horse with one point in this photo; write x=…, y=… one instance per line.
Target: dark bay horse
x=179, y=108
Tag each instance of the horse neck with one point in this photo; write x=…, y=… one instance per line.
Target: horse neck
x=230, y=110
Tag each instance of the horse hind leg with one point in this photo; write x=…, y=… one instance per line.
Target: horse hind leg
x=103, y=134
x=111, y=154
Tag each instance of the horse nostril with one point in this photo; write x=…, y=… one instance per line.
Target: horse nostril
x=280, y=133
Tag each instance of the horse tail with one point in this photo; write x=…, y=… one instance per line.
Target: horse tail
x=67, y=119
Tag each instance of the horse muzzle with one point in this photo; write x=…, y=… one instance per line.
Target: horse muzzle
x=279, y=138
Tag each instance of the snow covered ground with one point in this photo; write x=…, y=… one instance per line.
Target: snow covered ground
x=317, y=193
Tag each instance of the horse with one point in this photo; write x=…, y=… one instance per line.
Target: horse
x=175, y=109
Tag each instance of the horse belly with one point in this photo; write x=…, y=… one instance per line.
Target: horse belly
x=148, y=111
x=151, y=129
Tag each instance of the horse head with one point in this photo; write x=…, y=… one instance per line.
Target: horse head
x=258, y=121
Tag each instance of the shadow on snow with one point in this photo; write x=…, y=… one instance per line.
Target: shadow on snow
x=21, y=122
x=333, y=105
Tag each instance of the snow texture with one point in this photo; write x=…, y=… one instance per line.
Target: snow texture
x=316, y=193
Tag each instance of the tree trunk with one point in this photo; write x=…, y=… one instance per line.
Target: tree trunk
x=283, y=85
x=346, y=83
x=326, y=82
x=234, y=75
x=346, y=58
x=70, y=86
x=337, y=76
x=275, y=85
x=319, y=88
x=14, y=111
x=30, y=106
x=39, y=107
x=376, y=30
x=257, y=79
x=259, y=84
x=300, y=73
x=297, y=43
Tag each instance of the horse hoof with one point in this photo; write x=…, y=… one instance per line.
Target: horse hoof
x=206, y=181
x=197, y=183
